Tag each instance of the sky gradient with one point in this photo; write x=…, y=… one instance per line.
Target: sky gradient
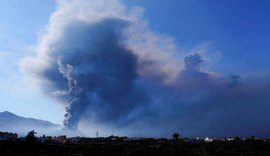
x=231, y=38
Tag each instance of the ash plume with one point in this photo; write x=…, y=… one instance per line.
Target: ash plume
x=100, y=60
x=98, y=70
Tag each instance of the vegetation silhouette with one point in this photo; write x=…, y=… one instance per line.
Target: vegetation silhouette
x=30, y=137
x=176, y=136
x=115, y=145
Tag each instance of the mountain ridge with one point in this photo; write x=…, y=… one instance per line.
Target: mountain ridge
x=13, y=123
x=10, y=114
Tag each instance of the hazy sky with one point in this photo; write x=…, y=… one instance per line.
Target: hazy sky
x=232, y=34
x=21, y=23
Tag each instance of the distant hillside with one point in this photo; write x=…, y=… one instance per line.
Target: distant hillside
x=13, y=123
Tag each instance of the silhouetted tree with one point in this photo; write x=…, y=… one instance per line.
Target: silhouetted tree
x=237, y=138
x=253, y=137
x=176, y=136
x=30, y=137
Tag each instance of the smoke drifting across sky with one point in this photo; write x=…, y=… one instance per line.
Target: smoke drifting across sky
x=112, y=72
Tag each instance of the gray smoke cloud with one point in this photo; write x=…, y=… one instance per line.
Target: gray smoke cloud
x=101, y=60
x=100, y=73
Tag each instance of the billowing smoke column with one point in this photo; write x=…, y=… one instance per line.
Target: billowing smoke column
x=98, y=70
x=101, y=60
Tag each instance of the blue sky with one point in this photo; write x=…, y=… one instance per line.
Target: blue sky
x=238, y=29
x=20, y=25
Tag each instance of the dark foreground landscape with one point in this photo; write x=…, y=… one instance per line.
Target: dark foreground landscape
x=123, y=146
